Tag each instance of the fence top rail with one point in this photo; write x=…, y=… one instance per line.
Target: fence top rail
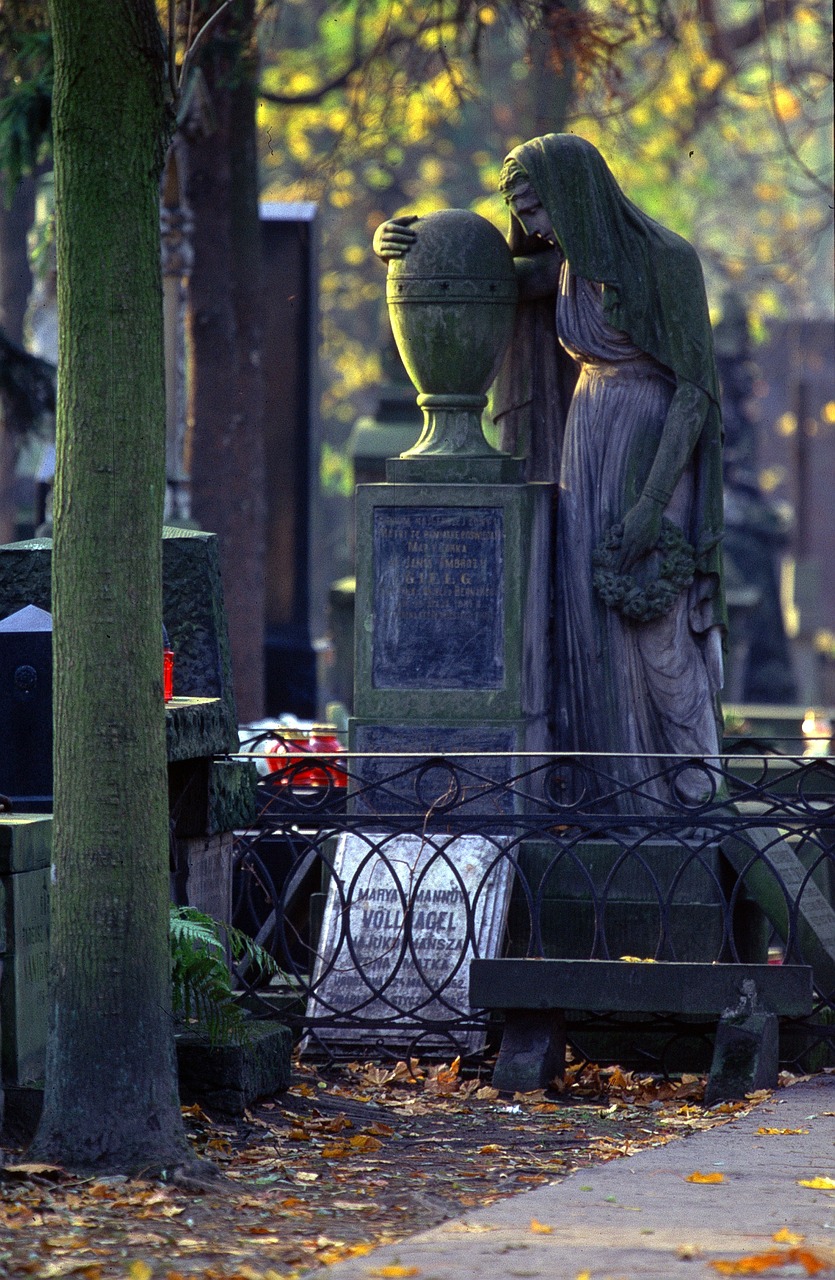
x=717, y=762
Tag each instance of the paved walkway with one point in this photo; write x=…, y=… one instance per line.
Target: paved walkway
x=635, y=1217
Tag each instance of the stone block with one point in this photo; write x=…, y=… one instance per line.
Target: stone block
x=393, y=786
x=208, y=860
x=614, y=986
x=24, y=986
x=658, y=887
x=25, y=842
x=229, y=1078
x=233, y=799
x=194, y=615
x=745, y=1055
x=451, y=615
x=532, y=1051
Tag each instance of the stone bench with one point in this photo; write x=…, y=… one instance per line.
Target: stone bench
x=534, y=994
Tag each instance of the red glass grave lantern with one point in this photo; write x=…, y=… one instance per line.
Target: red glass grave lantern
x=287, y=757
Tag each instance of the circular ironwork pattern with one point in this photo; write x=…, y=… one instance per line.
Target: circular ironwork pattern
x=623, y=592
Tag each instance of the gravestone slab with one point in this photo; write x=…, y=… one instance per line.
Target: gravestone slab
x=776, y=878
x=23, y=990
x=453, y=892
x=194, y=615
x=26, y=707
x=438, y=598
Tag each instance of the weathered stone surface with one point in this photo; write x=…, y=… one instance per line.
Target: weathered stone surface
x=421, y=790
x=365, y=961
x=745, y=1053
x=25, y=575
x=233, y=801
x=208, y=860
x=25, y=841
x=456, y=658
x=196, y=727
x=229, y=1078
x=532, y=1051
x=23, y=990
x=193, y=613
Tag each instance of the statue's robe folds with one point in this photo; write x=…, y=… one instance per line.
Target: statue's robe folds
x=631, y=311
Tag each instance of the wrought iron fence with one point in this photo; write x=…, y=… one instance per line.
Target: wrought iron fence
x=373, y=880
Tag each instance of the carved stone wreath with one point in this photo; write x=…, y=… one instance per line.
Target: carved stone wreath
x=647, y=602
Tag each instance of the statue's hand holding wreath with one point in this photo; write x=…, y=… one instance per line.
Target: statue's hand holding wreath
x=641, y=531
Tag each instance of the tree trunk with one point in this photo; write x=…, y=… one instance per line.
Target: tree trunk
x=111, y=1088
x=15, y=285
x=225, y=296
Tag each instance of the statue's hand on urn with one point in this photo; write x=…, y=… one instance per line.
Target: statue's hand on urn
x=394, y=239
x=641, y=531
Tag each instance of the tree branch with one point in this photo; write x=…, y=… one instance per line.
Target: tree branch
x=387, y=43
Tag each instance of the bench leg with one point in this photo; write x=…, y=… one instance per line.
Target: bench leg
x=532, y=1051
x=745, y=1055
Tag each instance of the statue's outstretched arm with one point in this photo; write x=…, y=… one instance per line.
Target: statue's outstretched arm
x=682, y=427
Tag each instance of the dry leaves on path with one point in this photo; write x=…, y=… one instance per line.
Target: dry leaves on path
x=345, y=1160
x=757, y=1264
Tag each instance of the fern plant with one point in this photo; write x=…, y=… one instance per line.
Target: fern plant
x=202, y=980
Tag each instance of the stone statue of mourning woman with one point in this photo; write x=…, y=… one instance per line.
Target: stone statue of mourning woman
x=609, y=386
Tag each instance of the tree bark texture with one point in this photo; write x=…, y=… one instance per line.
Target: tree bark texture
x=16, y=218
x=225, y=301
x=111, y=1091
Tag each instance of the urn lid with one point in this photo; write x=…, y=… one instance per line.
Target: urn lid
x=457, y=256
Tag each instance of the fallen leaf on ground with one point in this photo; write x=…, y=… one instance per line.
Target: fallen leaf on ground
x=395, y=1272
x=365, y=1142
x=705, y=1177
x=687, y=1251
x=817, y=1184
x=772, y=1132
x=541, y=1228
x=758, y=1263
x=32, y=1171
x=784, y=1236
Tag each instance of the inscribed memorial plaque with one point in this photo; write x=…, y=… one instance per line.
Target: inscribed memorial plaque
x=404, y=917
x=438, y=598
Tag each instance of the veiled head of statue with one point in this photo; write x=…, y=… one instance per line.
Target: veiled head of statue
x=584, y=203
x=653, y=288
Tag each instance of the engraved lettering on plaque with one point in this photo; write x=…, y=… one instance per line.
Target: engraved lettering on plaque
x=404, y=917
x=438, y=598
